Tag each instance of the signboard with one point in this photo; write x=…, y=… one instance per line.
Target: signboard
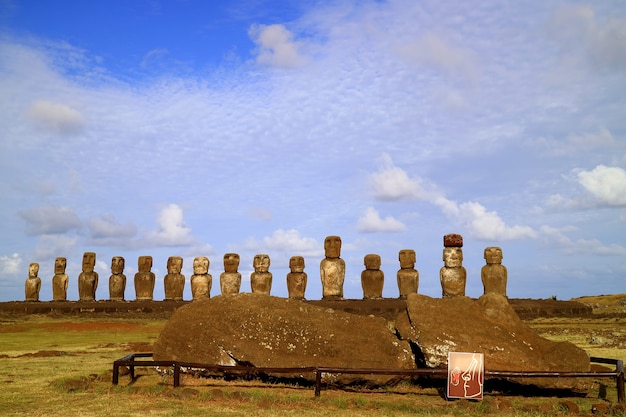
x=466, y=375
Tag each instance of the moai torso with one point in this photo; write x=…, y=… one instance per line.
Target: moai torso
x=144, y=279
x=453, y=275
x=60, y=280
x=201, y=280
x=494, y=275
x=117, y=280
x=174, y=281
x=88, y=279
x=296, y=279
x=407, y=275
x=33, y=283
x=261, y=278
x=372, y=278
x=230, y=279
x=332, y=269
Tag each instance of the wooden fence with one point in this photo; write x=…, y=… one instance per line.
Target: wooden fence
x=131, y=361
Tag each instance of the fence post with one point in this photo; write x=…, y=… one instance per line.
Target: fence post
x=176, y=375
x=116, y=373
x=620, y=381
x=318, y=382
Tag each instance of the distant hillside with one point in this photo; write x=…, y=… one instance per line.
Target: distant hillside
x=605, y=304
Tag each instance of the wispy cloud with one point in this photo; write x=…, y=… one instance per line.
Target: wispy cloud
x=50, y=220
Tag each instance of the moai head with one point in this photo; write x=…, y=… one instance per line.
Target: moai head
x=453, y=257
x=33, y=270
x=296, y=264
x=200, y=265
x=144, y=263
x=493, y=255
x=332, y=247
x=231, y=262
x=372, y=261
x=89, y=261
x=261, y=263
x=407, y=258
x=59, y=265
x=117, y=265
x=174, y=264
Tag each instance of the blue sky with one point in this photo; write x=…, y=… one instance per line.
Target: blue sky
x=196, y=128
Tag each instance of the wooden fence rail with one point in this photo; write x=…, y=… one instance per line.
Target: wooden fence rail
x=131, y=361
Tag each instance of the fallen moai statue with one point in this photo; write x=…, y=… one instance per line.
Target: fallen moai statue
x=265, y=331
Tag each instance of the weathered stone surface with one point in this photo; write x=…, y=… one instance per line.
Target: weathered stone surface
x=490, y=326
x=267, y=331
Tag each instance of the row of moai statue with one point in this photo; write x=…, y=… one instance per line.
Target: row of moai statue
x=453, y=275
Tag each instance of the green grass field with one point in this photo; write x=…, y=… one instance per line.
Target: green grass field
x=61, y=366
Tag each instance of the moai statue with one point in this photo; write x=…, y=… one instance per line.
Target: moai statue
x=88, y=279
x=372, y=278
x=332, y=269
x=230, y=279
x=201, y=280
x=261, y=278
x=60, y=280
x=453, y=275
x=174, y=281
x=494, y=275
x=33, y=283
x=117, y=280
x=144, y=279
x=296, y=279
x=408, y=276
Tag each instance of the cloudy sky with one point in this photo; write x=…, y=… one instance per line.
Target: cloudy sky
x=197, y=128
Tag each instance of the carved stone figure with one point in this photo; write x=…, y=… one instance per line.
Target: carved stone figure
x=494, y=275
x=117, y=280
x=201, y=280
x=144, y=279
x=88, y=279
x=332, y=269
x=453, y=275
x=33, y=283
x=230, y=279
x=372, y=278
x=408, y=276
x=174, y=281
x=261, y=278
x=60, y=280
x=296, y=279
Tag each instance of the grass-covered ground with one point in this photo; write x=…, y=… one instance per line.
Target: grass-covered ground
x=61, y=366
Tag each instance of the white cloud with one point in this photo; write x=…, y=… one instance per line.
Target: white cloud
x=276, y=47
x=55, y=117
x=585, y=36
x=581, y=246
x=10, y=264
x=372, y=222
x=288, y=241
x=393, y=183
x=482, y=224
x=172, y=229
x=50, y=220
x=607, y=184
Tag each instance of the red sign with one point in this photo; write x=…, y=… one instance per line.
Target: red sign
x=466, y=375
